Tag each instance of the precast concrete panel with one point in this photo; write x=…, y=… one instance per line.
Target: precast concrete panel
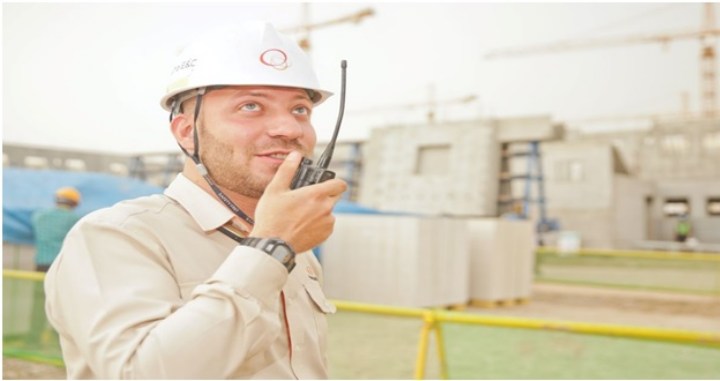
x=502, y=258
x=447, y=169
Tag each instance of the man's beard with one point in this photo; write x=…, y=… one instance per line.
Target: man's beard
x=231, y=173
x=223, y=167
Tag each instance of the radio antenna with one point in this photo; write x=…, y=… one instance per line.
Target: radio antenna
x=324, y=160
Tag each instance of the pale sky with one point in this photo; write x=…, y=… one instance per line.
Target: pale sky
x=90, y=76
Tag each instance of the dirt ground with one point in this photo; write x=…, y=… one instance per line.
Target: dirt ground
x=617, y=306
x=14, y=369
x=548, y=301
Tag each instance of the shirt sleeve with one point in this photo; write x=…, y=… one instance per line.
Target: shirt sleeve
x=113, y=293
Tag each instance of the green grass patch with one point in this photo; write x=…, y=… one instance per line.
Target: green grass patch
x=504, y=353
x=363, y=346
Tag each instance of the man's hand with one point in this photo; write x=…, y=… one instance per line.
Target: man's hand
x=301, y=217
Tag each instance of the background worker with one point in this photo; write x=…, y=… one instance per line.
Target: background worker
x=214, y=278
x=682, y=228
x=50, y=226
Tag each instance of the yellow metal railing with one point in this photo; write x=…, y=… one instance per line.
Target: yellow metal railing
x=24, y=275
x=432, y=320
x=674, y=255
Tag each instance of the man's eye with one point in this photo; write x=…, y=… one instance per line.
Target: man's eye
x=250, y=107
x=301, y=110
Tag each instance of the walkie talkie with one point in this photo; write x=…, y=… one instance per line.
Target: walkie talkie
x=309, y=174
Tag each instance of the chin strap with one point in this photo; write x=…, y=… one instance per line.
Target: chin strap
x=202, y=170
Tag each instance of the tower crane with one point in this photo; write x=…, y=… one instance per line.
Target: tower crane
x=308, y=27
x=431, y=105
x=706, y=34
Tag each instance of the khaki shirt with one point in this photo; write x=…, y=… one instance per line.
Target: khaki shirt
x=150, y=289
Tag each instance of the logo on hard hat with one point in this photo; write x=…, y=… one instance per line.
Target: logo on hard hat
x=275, y=58
x=187, y=64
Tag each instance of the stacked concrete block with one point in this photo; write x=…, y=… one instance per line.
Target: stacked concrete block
x=408, y=261
x=502, y=258
x=438, y=169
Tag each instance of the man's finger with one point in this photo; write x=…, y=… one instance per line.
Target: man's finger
x=285, y=173
x=332, y=187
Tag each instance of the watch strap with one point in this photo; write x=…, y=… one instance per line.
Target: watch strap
x=274, y=247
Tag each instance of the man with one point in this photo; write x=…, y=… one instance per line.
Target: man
x=169, y=286
x=50, y=226
x=682, y=228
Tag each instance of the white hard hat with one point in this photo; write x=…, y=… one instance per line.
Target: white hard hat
x=253, y=54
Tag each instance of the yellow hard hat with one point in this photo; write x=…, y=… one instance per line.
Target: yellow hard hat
x=67, y=194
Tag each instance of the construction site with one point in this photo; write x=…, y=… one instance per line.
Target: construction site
x=463, y=245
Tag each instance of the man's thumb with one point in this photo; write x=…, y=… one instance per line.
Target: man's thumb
x=285, y=173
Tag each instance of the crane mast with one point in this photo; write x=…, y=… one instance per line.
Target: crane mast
x=708, y=74
x=308, y=27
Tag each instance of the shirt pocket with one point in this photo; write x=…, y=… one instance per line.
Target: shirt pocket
x=321, y=308
x=318, y=297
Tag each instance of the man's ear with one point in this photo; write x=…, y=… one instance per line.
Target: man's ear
x=181, y=127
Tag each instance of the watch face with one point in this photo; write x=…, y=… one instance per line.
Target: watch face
x=282, y=253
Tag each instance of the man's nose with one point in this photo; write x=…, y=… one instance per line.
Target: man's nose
x=285, y=125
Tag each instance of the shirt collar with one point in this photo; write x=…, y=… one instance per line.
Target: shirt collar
x=206, y=210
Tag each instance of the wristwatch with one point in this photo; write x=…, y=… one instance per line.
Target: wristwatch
x=274, y=247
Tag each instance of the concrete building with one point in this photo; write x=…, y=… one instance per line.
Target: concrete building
x=699, y=199
x=66, y=160
x=669, y=149
x=680, y=160
x=591, y=192
x=616, y=189
x=444, y=168
x=156, y=168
